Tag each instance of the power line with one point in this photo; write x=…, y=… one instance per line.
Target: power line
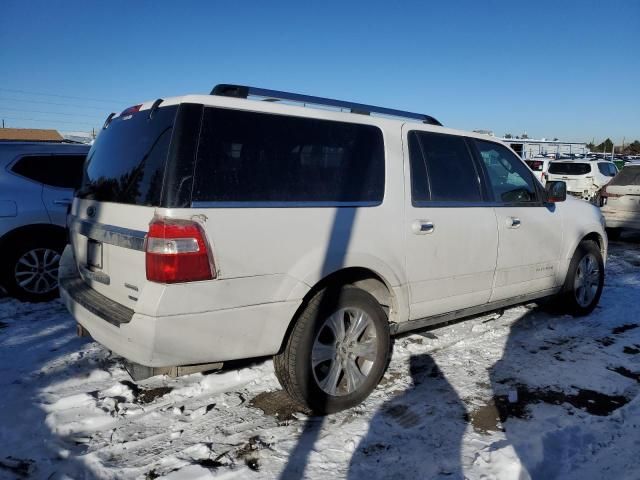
x=52, y=113
x=104, y=109
x=50, y=121
x=61, y=96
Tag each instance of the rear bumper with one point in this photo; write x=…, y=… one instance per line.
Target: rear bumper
x=621, y=219
x=176, y=340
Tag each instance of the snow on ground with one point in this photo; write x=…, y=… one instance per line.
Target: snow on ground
x=522, y=394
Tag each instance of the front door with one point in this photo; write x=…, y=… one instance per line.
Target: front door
x=451, y=233
x=530, y=231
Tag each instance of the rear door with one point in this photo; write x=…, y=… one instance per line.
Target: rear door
x=451, y=233
x=121, y=188
x=530, y=232
x=63, y=176
x=577, y=175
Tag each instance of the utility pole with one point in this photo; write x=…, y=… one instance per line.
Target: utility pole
x=3, y=123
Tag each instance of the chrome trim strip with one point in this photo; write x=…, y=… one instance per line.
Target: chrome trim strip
x=427, y=204
x=109, y=234
x=293, y=204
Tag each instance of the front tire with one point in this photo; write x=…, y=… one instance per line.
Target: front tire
x=337, y=351
x=585, y=280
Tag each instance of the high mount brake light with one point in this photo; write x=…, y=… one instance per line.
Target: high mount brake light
x=177, y=251
x=131, y=110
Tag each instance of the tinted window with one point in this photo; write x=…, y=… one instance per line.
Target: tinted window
x=535, y=165
x=629, y=175
x=442, y=169
x=511, y=180
x=569, y=168
x=607, y=169
x=63, y=171
x=256, y=157
x=126, y=162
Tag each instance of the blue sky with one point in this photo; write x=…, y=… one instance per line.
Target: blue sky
x=566, y=69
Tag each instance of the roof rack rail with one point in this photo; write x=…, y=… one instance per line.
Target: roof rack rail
x=242, y=91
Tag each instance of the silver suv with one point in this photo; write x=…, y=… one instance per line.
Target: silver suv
x=216, y=227
x=37, y=181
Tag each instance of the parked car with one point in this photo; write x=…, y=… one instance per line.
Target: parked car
x=36, y=189
x=584, y=179
x=621, y=196
x=217, y=227
x=540, y=166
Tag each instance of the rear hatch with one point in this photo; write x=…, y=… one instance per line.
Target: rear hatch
x=577, y=175
x=623, y=192
x=122, y=187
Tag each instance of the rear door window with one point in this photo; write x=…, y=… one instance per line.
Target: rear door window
x=127, y=161
x=511, y=180
x=569, y=168
x=256, y=157
x=62, y=171
x=442, y=169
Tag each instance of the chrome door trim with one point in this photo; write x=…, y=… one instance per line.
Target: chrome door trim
x=109, y=234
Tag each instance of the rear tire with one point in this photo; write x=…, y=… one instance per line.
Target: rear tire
x=584, y=282
x=30, y=272
x=337, y=351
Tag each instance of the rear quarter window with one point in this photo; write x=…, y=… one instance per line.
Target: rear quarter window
x=257, y=157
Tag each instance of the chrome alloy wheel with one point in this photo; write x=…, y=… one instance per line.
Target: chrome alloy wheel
x=344, y=351
x=587, y=280
x=36, y=271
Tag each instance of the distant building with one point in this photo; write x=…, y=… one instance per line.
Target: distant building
x=529, y=147
x=29, y=135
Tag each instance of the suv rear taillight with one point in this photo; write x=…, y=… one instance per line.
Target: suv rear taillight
x=604, y=193
x=177, y=251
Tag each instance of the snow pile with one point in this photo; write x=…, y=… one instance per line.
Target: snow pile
x=522, y=394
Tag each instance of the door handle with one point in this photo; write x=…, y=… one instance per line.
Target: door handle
x=513, y=222
x=65, y=202
x=422, y=227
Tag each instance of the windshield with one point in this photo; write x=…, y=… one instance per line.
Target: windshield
x=629, y=175
x=126, y=163
x=569, y=168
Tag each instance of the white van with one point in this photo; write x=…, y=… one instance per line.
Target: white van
x=219, y=227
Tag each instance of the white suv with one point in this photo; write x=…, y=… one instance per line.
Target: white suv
x=216, y=227
x=584, y=179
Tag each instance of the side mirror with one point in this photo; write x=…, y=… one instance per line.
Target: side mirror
x=556, y=191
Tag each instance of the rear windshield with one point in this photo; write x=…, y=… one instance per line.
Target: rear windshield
x=567, y=168
x=629, y=175
x=127, y=160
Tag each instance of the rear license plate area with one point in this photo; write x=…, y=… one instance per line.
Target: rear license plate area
x=94, y=254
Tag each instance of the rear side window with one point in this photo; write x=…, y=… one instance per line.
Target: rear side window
x=535, y=165
x=62, y=171
x=256, y=157
x=569, y=168
x=127, y=161
x=629, y=175
x=607, y=169
x=442, y=169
